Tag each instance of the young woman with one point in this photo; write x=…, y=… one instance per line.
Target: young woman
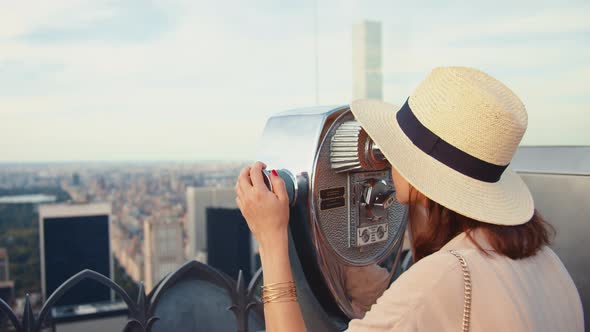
x=470, y=217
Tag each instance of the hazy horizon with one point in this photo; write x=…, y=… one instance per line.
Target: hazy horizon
x=191, y=80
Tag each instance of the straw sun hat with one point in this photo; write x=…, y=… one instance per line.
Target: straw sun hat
x=453, y=140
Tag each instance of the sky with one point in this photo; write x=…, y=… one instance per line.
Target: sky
x=197, y=80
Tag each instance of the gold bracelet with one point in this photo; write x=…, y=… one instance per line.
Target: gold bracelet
x=279, y=292
x=283, y=296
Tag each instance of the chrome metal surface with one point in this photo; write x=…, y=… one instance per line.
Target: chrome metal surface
x=289, y=141
x=352, y=149
x=376, y=152
x=572, y=160
x=334, y=164
x=559, y=179
x=563, y=200
x=347, y=145
x=344, y=260
x=290, y=183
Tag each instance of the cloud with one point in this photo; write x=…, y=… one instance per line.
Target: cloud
x=21, y=17
x=82, y=84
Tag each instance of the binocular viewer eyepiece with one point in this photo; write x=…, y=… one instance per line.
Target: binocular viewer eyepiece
x=288, y=178
x=375, y=194
x=346, y=227
x=351, y=149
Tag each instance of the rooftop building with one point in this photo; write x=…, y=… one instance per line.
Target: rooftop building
x=198, y=200
x=74, y=237
x=163, y=249
x=367, y=74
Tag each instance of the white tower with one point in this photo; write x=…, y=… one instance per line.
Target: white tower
x=367, y=77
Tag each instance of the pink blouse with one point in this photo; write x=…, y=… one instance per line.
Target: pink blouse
x=532, y=294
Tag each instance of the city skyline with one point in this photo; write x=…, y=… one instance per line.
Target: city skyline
x=101, y=81
x=136, y=194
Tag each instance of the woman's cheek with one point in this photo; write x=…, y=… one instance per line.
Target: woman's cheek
x=402, y=198
x=402, y=195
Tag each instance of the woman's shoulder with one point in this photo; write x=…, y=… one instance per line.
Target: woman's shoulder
x=424, y=278
x=414, y=298
x=442, y=260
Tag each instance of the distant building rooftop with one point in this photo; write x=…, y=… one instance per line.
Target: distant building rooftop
x=7, y=284
x=74, y=210
x=24, y=199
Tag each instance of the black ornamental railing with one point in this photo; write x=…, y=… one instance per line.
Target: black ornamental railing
x=196, y=297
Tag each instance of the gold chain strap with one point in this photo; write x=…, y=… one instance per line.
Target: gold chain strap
x=467, y=283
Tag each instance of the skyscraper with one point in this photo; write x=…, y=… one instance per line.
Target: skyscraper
x=229, y=242
x=198, y=200
x=6, y=285
x=367, y=76
x=163, y=249
x=74, y=237
x=4, y=265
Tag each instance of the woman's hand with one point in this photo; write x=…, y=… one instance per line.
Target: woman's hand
x=265, y=211
x=267, y=214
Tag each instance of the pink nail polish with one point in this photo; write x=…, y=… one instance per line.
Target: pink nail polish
x=274, y=172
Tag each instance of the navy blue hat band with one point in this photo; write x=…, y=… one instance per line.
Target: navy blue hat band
x=439, y=149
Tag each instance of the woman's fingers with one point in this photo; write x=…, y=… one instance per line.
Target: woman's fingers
x=278, y=186
x=238, y=189
x=244, y=179
x=256, y=175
